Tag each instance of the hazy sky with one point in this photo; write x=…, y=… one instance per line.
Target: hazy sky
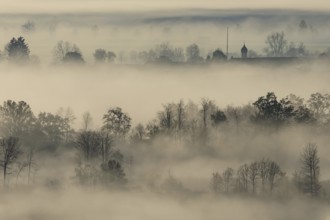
x=49, y=6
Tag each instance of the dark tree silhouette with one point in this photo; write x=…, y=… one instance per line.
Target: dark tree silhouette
x=73, y=58
x=100, y=56
x=218, y=117
x=18, y=50
x=88, y=144
x=10, y=150
x=273, y=112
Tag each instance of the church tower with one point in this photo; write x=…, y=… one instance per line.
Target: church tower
x=244, y=52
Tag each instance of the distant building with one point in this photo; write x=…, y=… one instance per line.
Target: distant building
x=244, y=52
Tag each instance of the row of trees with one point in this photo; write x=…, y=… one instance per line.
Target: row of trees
x=266, y=177
x=17, y=51
x=267, y=111
x=24, y=135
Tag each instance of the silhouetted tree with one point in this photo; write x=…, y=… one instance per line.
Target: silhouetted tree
x=217, y=182
x=307, y=177
x=319, y=104
x=16, y=119
x=227, y=177
x=193, y=54
x=218, y=117
x=54, y=127
x=272, y=111
x=180, y=115
x=10, y=149
x=100, y=56
x=111, y=56
x=166, y=117
x=116, y=123
x=274, y=172
x=73, y=58
x=296, y=51
x=263, y=167
x=243, y=178
x=18, y=50
x=88, y=144
x=208, y=107
x=276, y=44
x=253, y=174
x=61, y=49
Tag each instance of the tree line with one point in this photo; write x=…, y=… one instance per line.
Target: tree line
x=276, y=45
x=25, y=136
x=265, y=177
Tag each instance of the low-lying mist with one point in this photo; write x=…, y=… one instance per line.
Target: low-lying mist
x=142, y=90
x=164, y=138
x=76, y=204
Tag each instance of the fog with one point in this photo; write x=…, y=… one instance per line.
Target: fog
x=169, y=174
x=142, y=90
x=76, y=204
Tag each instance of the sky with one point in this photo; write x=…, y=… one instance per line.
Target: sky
x=66, y=6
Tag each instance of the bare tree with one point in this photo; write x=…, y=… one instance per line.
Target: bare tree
x=180, y=115
x=243, y=178
x=10, y=149
x=227, y=177
x=88, y=145
x=310, y=170
x=166, y=117
x=193, y=54
x=216, y=182
x=206, y=111
x=276, y=44
x=61, y=49
x=253, y=175
x=234, y=114
x=30, y=163
x=274, y=172
x=263, y=172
